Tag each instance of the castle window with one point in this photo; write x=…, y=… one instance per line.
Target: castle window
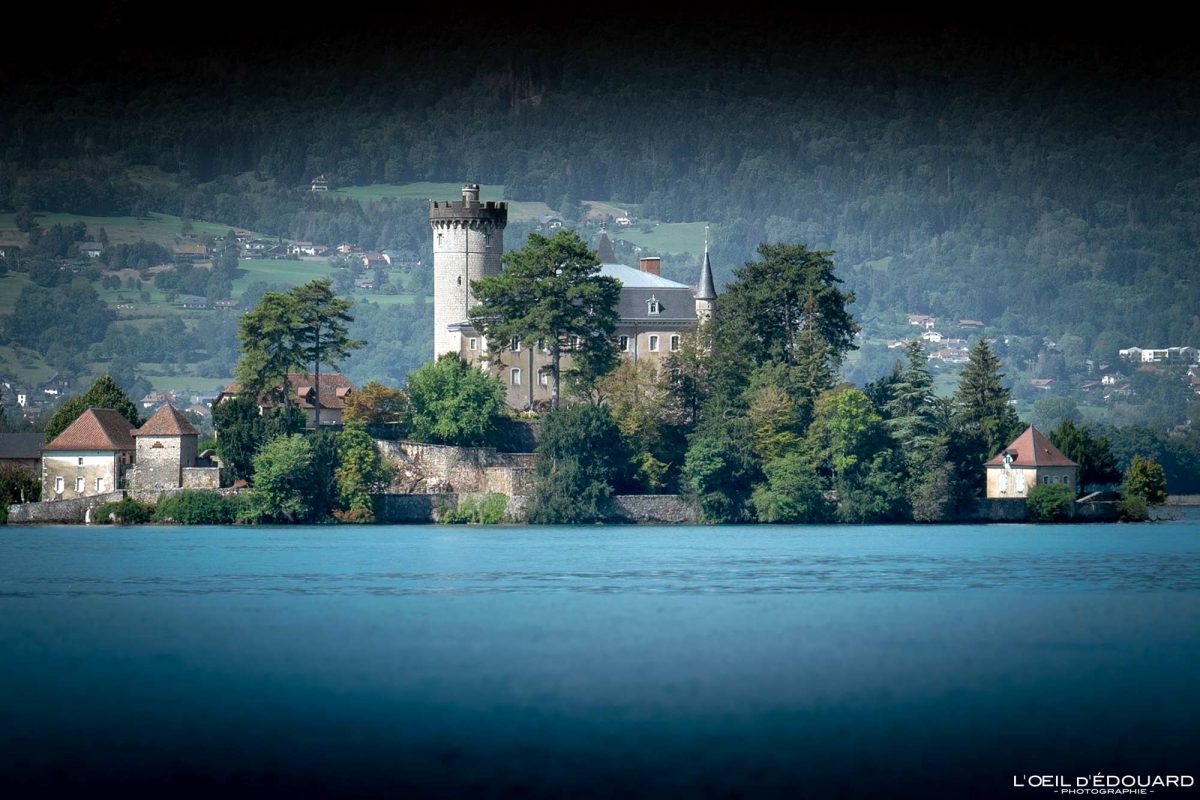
x=515, y=344
x=653, y=343
x=514, y=376
x=58, y=485
x=81, y=461
x=99, y=484
x=653, y=307
x=439, y=238
x=79, y=485
x=472, y=343
x=674, y=343
x=544, y=377
x=459, y=279
x=624, y=342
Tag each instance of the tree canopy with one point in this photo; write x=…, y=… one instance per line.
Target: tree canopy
x=454, y=403
x=551, y=294
x=104, y=393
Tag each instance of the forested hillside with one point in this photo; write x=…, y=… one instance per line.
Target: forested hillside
x=1048, y=188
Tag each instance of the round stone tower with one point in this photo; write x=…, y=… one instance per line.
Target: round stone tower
x=468, y=240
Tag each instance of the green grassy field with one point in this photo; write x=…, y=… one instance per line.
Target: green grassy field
x=518, y=210
x=667, y=237
x=11, y=285
x=24, y=365
x=159, y=228
x=385, y=299
x=291, y=273
x=422, y=190
x=185, y=383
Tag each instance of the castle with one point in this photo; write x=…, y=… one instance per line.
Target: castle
x=468, y=240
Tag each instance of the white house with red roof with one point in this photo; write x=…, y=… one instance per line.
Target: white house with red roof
x=89, y=457
x=1030, y=460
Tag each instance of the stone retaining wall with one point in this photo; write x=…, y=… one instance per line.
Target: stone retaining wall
x=993, y=510
x=652, y=509
x=77, y=510
x=439, y=469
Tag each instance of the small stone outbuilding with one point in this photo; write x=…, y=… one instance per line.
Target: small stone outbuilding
x=166, y=456
x=89, y=458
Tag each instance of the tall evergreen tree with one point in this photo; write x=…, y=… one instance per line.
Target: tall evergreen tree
x=1097, y=464
x=551, y=292
x=322, y=331
x=270, y=347
x=787, y=308
x=984, y=418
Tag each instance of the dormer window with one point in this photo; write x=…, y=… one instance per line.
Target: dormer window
x=653, y=307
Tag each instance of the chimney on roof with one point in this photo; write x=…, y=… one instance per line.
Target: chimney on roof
x=652, y=265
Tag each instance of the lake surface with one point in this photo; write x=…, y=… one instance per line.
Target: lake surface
x=446, y=661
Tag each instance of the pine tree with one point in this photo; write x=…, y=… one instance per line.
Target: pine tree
x=984, y=418
x=322, y=332
x=550, y=291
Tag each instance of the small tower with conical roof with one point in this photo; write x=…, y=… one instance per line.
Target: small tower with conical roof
x=468, y=240
x=706, y=293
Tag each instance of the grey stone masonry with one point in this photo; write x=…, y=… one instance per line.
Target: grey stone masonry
x=439, y=469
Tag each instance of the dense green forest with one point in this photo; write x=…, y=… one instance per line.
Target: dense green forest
x=1048, y=190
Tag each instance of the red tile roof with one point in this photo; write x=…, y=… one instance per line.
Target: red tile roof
x=95, y=429
x=1033, y=449
x=167, y=422
x=335, y=389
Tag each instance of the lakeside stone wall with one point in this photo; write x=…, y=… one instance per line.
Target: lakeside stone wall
x=77, y=510
x=440, y=469
x=652, y=509
x=648, y=509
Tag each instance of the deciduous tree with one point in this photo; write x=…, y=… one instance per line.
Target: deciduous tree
x=454, y=402
x=104, y=393
x=1145, y=479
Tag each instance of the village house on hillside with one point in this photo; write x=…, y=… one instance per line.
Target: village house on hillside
x=89, y=457
x=1030, y=460
x=335, y=389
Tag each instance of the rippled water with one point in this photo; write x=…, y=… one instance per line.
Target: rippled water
x=595, y=661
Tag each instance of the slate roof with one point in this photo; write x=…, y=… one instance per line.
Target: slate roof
x=95, y=429
x=637, y=288
x=167, y=421
x=335, y=389
x=1032, y=449
x=20, y=445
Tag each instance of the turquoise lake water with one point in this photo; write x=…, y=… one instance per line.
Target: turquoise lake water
x=595, y=661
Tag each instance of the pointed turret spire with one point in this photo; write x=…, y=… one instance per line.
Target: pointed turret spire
x=604, y=249
x=705, y=289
